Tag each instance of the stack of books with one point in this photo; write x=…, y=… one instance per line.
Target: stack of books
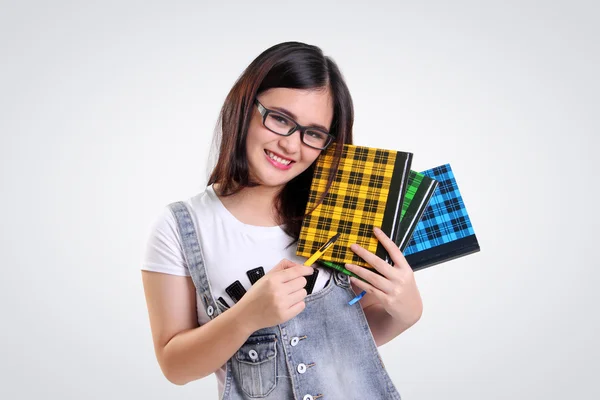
x=423, y=213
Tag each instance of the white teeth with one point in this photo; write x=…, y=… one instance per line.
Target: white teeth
x=278, y=159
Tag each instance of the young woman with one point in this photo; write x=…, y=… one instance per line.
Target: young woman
x=226, y=293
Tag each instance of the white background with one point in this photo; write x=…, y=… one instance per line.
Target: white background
x=107, y=114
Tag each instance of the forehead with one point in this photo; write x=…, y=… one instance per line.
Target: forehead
x=307, y=107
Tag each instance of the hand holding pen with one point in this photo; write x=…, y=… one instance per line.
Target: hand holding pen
x=276, y=297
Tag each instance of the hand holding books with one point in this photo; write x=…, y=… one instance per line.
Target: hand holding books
x=394, y=287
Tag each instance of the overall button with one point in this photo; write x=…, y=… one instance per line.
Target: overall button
x=307, y=397
x=210, y=310
x=253, y=354
x=301, y=368
x=342, y=277
x=295, y=341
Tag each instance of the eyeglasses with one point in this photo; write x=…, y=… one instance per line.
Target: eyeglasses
x=283, y=125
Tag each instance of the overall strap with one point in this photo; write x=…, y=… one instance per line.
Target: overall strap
x=194, y=257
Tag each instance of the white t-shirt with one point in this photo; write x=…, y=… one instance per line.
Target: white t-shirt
x=230, y=248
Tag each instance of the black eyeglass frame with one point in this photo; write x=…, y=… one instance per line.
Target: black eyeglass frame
x=264, y=111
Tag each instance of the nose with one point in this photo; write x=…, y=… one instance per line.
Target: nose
x=291, y=144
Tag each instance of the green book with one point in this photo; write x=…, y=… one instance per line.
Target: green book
x=419, y=191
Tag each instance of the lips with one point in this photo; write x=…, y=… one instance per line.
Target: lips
x=278, y=161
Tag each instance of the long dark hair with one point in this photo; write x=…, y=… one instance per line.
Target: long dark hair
x=290, y=65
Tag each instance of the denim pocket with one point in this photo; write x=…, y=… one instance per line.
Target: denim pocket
x=257, y=365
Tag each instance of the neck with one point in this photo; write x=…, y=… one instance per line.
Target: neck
x=253, y=205
x=259, y=197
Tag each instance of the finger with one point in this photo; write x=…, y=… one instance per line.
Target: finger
x=294, y=272
x=370, y=289
x=296, y=297
x=296, y=309
x=392, y=249
x=282, y=265
x=376, y=280
x=384, y=268
x=295, y=284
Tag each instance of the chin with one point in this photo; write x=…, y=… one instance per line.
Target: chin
x=273, y=182
x=271, y=178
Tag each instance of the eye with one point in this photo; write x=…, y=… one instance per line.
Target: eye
x=282, y=121
x=316, y=135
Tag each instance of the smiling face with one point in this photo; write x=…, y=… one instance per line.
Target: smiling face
x=273, y=159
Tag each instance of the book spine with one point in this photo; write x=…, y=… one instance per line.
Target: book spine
x=415, y=210
x=395, y=201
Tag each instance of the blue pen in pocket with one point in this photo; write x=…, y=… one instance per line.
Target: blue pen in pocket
x=357, y=298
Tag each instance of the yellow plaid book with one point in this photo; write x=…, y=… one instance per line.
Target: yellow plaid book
x=368, y=190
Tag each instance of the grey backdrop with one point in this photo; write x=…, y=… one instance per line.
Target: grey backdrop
x=108, y=109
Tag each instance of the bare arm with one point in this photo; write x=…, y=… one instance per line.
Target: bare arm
x=185, y=351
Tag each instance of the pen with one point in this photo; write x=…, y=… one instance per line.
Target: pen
x=357, y=298
x=321, y=250
x=340, y=269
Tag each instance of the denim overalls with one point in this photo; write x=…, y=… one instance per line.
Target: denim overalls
x=326, y=352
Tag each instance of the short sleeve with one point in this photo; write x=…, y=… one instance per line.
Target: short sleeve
x=163, y=252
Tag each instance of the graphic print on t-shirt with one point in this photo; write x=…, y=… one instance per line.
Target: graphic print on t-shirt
x=255, y=274
x=236, y=290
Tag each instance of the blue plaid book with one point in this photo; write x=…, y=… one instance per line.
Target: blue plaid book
x=444, y=231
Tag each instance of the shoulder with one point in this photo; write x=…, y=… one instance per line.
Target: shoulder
x=164, y=221
x=164, y=250
x=198, y=204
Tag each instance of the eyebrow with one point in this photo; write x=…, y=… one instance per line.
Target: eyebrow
x=293, y=116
